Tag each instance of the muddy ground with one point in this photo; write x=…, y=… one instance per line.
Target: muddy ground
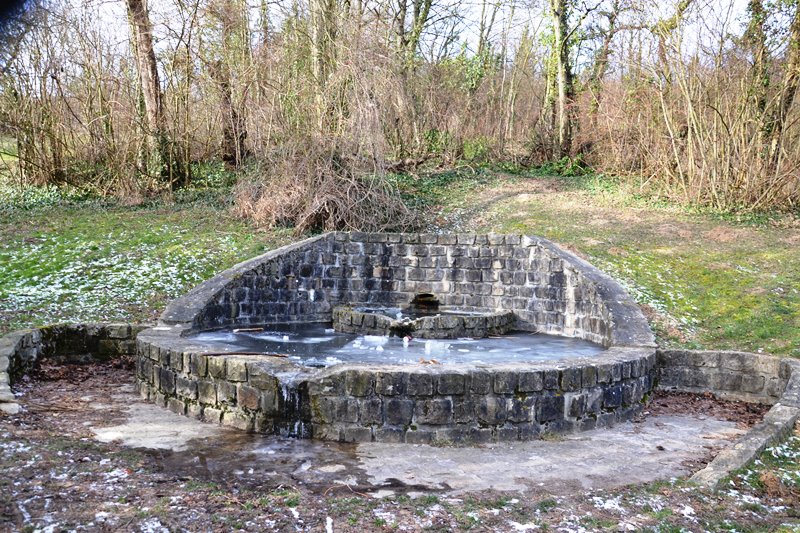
x=57, y=475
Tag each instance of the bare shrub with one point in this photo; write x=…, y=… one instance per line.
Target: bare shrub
x=314, y=185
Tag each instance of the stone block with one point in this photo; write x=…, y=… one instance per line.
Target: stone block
x=226, y=393
x=491, y=410
x=450, y=435
x=551, y=407
x=158, y=398
x=359, y=382
x=398, y=412
x=576, y=404
x=269, y=403
x=529, y=431
x=507, y=433
x=505, y=382
x=248, y=397
x=216, y=367
x=239, y=419
x=261, y=377
x=753, y=384
x=391, y=383
x=10, y=408
x=194, y=410
x=198, y=365
x=531, y=381
x=727, y=381
x=4, y=363
x=207, y=392
x=166, y=381
x=236, y=370
x=107, y=348
x=334, y=409
x=370, y=411
x=420, y=384
x=588, y=376
x=450, y=383
x=419, y=436
x=571, y=379
x=521, y=409
x=550, y=379
x=186, y=388
x=612, y=397
x=480, y=382
x=480, y=435
x=176, y=406
x=604, y=373
x=6, y=395
x=390, y=435
x=434, y=412
x=463, y=410
x=357, y=434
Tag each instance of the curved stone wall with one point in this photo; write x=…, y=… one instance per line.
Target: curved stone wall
x=547, y=289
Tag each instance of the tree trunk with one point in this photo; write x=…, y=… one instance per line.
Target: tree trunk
x=791, y=80
x=755, y=38
x=564, y=78
x=323, y=15
x=155, y=155
x=236, y=54
x=600, y=64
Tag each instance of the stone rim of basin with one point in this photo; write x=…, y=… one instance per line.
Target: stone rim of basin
x=542, y=286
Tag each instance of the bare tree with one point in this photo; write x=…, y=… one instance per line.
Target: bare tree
x=564, y=83
x=156, y=157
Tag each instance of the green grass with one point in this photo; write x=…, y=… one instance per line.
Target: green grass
x=711, y=281
x=86, y=263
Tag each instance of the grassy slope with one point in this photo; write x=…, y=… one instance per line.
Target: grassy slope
x=705, y=282
x=113, y=263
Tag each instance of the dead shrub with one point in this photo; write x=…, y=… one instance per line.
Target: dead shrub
x=319, y=186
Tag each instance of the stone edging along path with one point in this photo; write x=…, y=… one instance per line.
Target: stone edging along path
x=728, y=375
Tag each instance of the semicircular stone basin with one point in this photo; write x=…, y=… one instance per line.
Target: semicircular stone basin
x=415, y=338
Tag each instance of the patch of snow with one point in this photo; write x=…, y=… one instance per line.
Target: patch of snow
x=611, y=504
x=516, y=526
x=152, y=525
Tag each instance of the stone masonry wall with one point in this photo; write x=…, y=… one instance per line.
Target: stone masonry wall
x=549, y=290
x=348, y=320
x=742, y=376
x=476, y=406
x=416, y=403
x=21, y=350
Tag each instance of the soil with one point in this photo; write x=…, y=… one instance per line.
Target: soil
x=56, y=476
x=746, y=415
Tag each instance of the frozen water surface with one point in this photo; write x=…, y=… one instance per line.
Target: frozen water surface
x=317, y=345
